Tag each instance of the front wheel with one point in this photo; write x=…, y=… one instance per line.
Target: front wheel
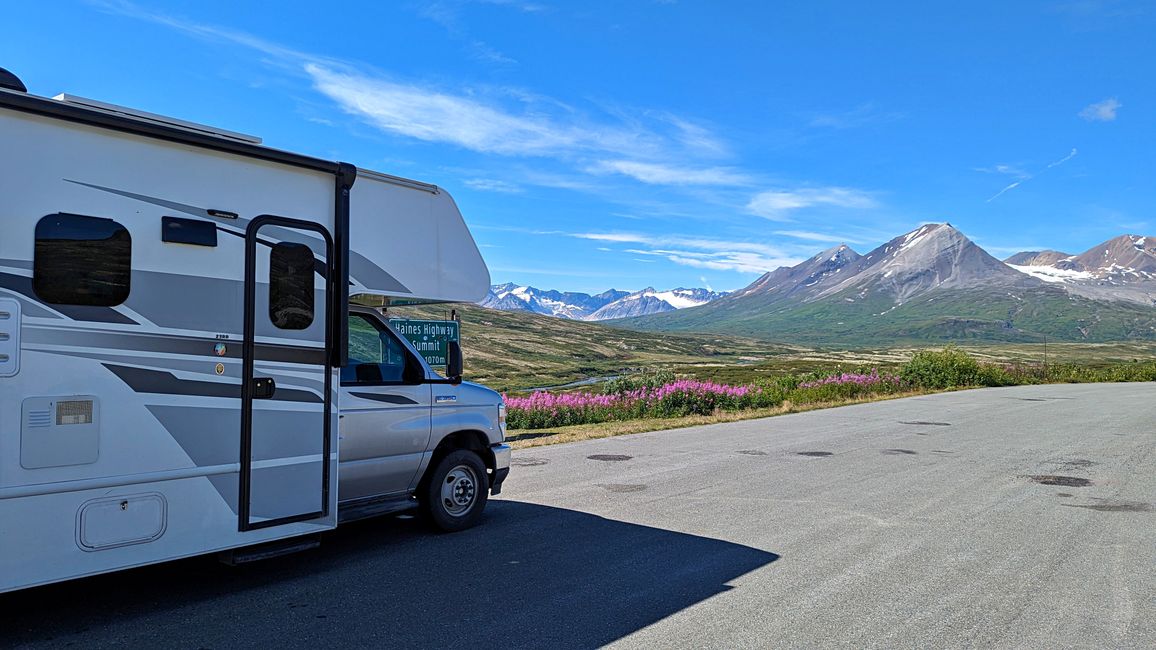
x=455, y=494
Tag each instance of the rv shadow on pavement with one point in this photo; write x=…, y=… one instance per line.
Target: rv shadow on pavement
x=530, y=575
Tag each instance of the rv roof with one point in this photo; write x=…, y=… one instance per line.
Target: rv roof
x=153, y=117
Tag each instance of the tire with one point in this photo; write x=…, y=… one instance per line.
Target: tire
x=456, y=493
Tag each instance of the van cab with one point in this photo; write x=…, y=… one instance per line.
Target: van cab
x=411, y=438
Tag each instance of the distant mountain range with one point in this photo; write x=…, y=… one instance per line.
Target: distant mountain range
x=934, y=283
x=603, y=306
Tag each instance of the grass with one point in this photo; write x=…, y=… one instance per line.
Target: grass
x=516, y=351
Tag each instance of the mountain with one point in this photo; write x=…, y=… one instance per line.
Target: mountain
x=932, y=283
x=569, y=304
x=608, y=304
x=1122, y=268
x=1036, y=258
x=649, y=301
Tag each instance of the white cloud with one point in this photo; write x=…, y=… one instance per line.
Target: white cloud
x=434, y=116
x=777, y=205
x=818, y=236
x=703, y=253
x=493, y=185
x=659, y=174
x=861, y=115
x=1103, y=111
x=1008, y=170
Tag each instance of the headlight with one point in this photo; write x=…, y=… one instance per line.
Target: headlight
x=502, y=418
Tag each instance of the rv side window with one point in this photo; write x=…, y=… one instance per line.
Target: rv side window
x=376, y=357
x=81, y=260
x=291, y=286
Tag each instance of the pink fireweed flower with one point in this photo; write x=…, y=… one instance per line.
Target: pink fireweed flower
x=871, y=379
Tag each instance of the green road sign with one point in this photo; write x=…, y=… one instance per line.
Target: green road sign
x=430, y=337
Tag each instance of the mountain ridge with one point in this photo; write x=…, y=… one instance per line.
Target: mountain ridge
x=609, y=304
x=935, y=283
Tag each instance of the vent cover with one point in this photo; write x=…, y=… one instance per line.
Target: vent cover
x=59, y=431
x=9, y=337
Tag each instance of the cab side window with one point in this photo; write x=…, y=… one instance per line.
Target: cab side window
x=376, y=357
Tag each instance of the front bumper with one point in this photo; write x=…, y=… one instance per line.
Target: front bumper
x=501, y=466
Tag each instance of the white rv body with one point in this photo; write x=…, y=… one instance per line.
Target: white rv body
x=122, y=428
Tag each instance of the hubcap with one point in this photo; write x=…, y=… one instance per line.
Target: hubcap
x=459, y=490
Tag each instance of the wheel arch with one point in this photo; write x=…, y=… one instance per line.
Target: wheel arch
x=469, y=439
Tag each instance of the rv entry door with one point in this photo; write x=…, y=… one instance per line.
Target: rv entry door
x=286, y=390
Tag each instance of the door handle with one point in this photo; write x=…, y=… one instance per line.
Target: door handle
x=264, y=387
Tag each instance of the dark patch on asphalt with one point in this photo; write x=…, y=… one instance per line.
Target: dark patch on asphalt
x=817, y=454
x=896, y=452
x=1031, y=399
x=752, y=452
x=941, y=451
x=1062, y=481
x=610, y=457
x=1065, y=494
x=923, y=423
x=528, y=462
x=1119, y=506
x=622, y=487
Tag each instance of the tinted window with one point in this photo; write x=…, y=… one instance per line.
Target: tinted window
x=81, y=261
x=375, y=356
x=291, y=286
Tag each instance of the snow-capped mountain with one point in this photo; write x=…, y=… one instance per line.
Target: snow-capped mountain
x=581, y=306
x=1122, y=268
x=649, y=301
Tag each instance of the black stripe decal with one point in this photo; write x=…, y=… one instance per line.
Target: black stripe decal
x=390, y=399
x=143, y=380
x=23, y=286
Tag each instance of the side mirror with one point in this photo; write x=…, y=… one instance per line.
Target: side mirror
x=454, y=363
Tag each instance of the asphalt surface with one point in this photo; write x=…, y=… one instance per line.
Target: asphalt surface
x=1019, y=517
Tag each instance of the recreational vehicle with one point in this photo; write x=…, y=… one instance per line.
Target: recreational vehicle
x=183, y=365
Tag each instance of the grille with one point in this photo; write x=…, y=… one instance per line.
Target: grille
x=74, y=412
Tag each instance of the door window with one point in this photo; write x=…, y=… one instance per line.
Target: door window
x=291, y=286
x=376, y=356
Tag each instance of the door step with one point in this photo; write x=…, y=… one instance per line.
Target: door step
x=247, y=554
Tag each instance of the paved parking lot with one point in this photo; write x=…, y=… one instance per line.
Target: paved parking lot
x=1003, y=517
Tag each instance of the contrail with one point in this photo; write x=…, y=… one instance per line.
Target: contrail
x=1006, y=189
x=1064, y=159
x=1071, y=154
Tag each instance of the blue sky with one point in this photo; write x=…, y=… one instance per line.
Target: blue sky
x=667, y=143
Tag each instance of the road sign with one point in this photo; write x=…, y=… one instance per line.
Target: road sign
x=430, y=337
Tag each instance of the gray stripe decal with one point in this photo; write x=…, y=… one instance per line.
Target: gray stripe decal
x=133, y=342
x=143, y=380
x=172, y=205
x=390, y=399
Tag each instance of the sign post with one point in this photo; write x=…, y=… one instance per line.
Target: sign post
x=431, y=338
